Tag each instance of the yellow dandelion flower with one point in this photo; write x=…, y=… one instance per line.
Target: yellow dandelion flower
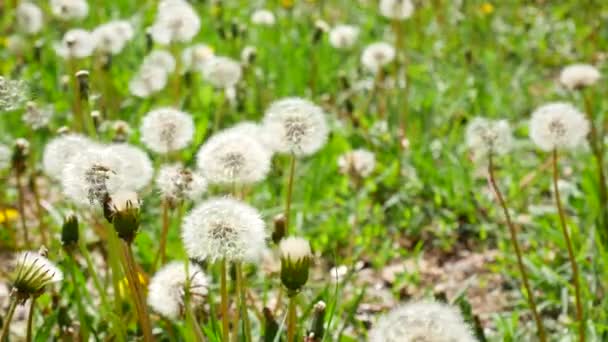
x=123, y=285
x=486, y=8
x=8, y=214
x=287, y=3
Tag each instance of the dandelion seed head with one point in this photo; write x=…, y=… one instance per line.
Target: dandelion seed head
x=177, y=183
x=125, y=199
x=69, y=9
x=112, y=37
x=396, y=9
x=137, y=169
x=255, y=131
x=36, y=117
x=176, y=21
x=29, y=18
x=377, y=55
x=32, y=273
x=577, y=76
x=343, y=36
x=76, y=43
x=263, y=17
x=294, y=248
x=167, y=288
x=58, y=152
x=484, y=136
x=224, y=228
x=195, y=57
x=222, y=72
x=423, y=321
x=558, y=125
x=296, y=126
x=147, y=81
x=160, y=59
x=358, y=162
x=13, y=94
x=166, y=129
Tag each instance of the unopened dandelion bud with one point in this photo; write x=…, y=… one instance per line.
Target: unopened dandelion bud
x=38, y=45
x=295, y=262
x=64, y=81
x=96, y=116
x=21, y=151
x=83, y=84
x=125, y=214
x=271, y=327
x=149, y=41
x=69, y=231
x=279, y=228
x=33, y=272
x=317, y=327
x=234, y=30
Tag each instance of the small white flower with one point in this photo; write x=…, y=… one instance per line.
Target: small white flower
x=359, y=162
x=176, y=21
x=230, y=157
x=421, y=321
x=396, y=9
x=29, y=18
x=59, y=151
x=148, y=80
x=222, y=72
x=160, y=59
x=296, y=125
x=177, y=183
x=76, y=43
x=263, y=17
x=137, y=169
x=485, y=136
x=224, y=228
x=32, y=273
x=112, y=37
x=165, y=130
x=36, y=117
x=69, y=9
x=294, y=248
x=377, y=55
x=558, y=125
x=578, y=76
x=195, y=57
x=5, y=157
x=343, y=36
x=168, y=287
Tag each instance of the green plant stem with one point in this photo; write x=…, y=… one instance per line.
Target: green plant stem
x=291, y=320
x=292, y=171
x=76, y=103
x=400, y=48
x=522, y=270
x=196, y=327
x=21, y=204
x=78, y=298
x=219, y=111
x=224, y=302
x=175, y=50
x=91, y=268
x=575, y=277
x=161, y=256
x=30, y=320
x=241, y=288
x=8, y=318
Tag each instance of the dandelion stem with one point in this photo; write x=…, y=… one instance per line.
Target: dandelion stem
x=30, y=320
x=7, y=319
x=291, y=320
x=161, y=256
x=219, y=112
x=21, y=203
x=513, y=231
x=196, y=327
x=39, y=212
x=224, y=302
x=76, y=104
x=241, y=287
x=400, y=48
x=575, y=277
x=292, y=170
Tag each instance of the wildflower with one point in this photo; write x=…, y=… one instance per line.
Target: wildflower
x=166, y=129
x=295, y=262
x=168, y=288
x=558, y=125
x=224, y=228
x=137, y=168
x=161, y=59
x=147, y=81
x=29, y=18
x=176, y=21
x=421, y=321
x=13, y=94
x=76, y=43
x=195, y=57
x=69, y=9
x=5, y=157
x=360, y=163
x=377, y=55
x=32, y=274
x=343, y=36
x=578, y=76
x=296, y=125
x=222, y=72
x=58, y=152
x=263, y=17
x=36, y=117
x=177, y=183
x=233, y=158
x=396, y=9
x=485, y=137
x=111, y=37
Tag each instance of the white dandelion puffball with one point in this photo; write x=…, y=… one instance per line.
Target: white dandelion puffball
x=396, y=9
x=377, y=55
x=224, y=228
x=36, y=117
x=294, y=248
x=92, y=175
x=59, y=151
x=137, y=169
x=177, y=183
x=359, y=162
x=176, y=21
x=13, y=94
x=222, y=72
x=421, y=321
x=255, y=131
x=111, y=37
x=194, y=57
x=5, y=157
x=577, y=76
x=29, y=18
x=166, y=129
x=76, y=43
x=485, y=137
x=148, y=80
x=69, y=9
x=263, y=17
x=558, y=125
x=343, y=36
x=296, y=126
x=160, y=59
x=167, y=288
x=228, y=158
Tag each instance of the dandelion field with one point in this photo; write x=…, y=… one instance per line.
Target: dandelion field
x=369, y=170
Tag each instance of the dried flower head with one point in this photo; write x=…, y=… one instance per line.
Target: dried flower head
x=222, y=72
x=295, y=262
x=296, y=125
x=148, y=80
x=111, y=37
x=396, y=9
x=76, y=43
x=423, y=321
x=13, y=94
x=29, y=18
x=177, y=183
x=343, y=36
x=5, y=157
x=32, y=274
x=360, y=163
x=263, y=17
x=224, y=228
x=558, y=125
x=59, y=151
x=176, y=21
x=377, y=55
x=168, y=288
x=577, y=76
x=166, y=129
x=485, y=137
x=69, y=9
x=37, y=117
x=137, y=168
x=195, y=57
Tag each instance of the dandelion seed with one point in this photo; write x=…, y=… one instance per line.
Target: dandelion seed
x=13, y=94
x=58, y=152
x=360, y=163
x=485, y=137
x=76, y=43
x=32, y=274
x=396, y=9
x=29, y=18
x=37, y=118
x=177, y=183
x=111, y=37
x=228, y=158
x=377, y=55
x=263, y=17
x=558, y=125
x=69, y=9
x=168, y=288
x=165, y=130
x=577, y=76
x=224, y=228
x=195, y=57
x=176, y=21
x=343, y=36
x=421, y=322
x=149, y=80
x=137, y=168
x=222, y=72
x=296, y=125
